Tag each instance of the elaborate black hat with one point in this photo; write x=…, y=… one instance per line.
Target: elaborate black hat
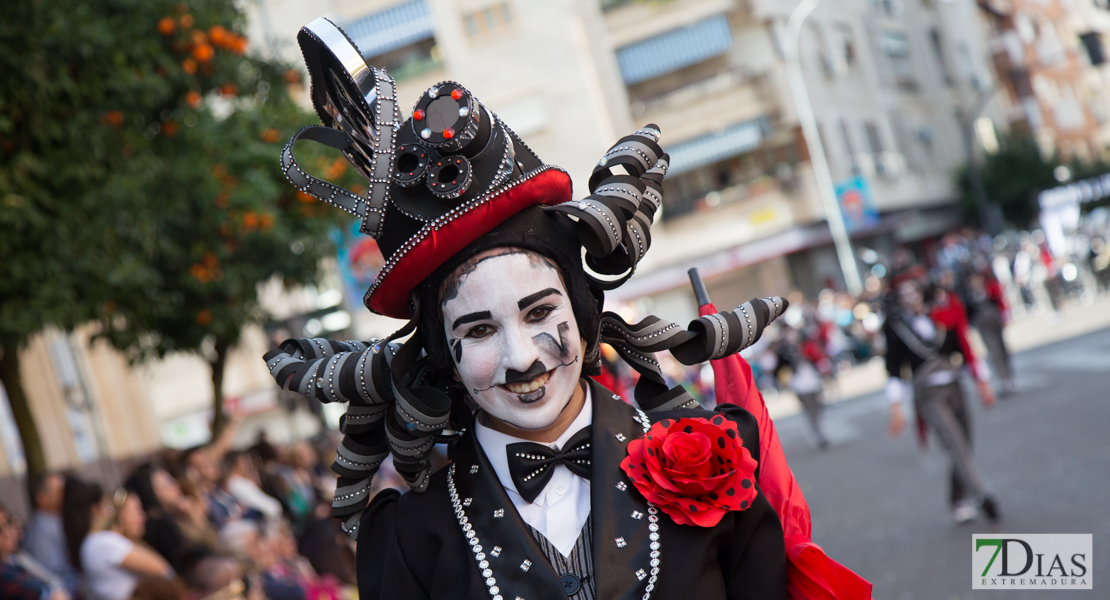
x=447, y=183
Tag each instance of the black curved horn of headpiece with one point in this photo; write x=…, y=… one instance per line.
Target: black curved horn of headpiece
x=358, y=107
x=615, y=220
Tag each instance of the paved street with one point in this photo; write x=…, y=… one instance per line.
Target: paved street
x=879, y=504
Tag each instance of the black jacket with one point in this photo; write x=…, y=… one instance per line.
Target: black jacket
x=412, y=546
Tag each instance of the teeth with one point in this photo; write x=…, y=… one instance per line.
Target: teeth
x=531, y=386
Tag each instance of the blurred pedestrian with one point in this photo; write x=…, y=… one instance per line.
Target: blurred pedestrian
x=113, y=557
x=926, y=338
x=801, y=356
x=45, y=538
x=16, y=581
x=986, y=307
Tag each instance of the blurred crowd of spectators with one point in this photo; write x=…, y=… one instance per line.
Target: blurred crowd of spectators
x=207, y=523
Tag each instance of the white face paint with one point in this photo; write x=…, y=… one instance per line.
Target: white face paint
x=512, y=334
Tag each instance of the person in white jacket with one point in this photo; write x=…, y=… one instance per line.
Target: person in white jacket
x=243, y=484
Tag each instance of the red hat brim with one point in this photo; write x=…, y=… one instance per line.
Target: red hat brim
x=441, y=239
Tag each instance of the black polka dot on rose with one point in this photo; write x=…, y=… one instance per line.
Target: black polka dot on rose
x=717, y=420
x=688, y=429
x=743, y=504
x=693, y=508
x=721, y=443
x=731, y=433
x=747, y=483
x=713, y=495
x=651, y=452
x=731, y=491
x=665, y=422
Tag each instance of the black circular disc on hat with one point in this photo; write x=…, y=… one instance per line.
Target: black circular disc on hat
x=411, y=165
x=446, y=117
x=449, y=177
x=571, y=583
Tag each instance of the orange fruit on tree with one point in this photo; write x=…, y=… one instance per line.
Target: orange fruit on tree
x=194, y=98
x=186, y=21
x=218, y=35
x=229, y=89
x=166, y=25
x=204, y=53
x=189, y=66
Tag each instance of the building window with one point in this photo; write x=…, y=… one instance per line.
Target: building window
x=488, y=21
x=890, y=8
x=400, y=39
x=938, y=50
x=894, y=47
x=849, y=147
x=847, y=45
x=731, y=180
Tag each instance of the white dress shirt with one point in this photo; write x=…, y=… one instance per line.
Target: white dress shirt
x=560, y=511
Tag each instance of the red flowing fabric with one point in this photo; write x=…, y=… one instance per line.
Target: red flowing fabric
x=811, y=574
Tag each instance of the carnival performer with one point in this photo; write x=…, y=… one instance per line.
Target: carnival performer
x=557, y=487
x=926, y=337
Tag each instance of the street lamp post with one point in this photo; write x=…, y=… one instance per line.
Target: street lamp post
x=816, y=151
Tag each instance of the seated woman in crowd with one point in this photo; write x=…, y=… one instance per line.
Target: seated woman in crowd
x=106, y=538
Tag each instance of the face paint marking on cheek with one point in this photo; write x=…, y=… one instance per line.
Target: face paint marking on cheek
x=456, y=350
x=559, y=348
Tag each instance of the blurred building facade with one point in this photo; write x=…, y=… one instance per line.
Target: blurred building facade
x=890, y=81
x=1052, y=71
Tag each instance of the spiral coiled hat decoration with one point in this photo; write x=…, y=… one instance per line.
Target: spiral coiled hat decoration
x=442, y=183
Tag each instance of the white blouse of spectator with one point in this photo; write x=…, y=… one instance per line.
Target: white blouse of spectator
x=102, y=553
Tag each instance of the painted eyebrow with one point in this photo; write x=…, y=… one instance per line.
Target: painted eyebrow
x=531, y=299
x=470, y=318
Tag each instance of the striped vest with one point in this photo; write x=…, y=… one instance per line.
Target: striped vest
x=576, y=573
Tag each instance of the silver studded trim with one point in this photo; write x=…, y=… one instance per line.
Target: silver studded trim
x=381, y=164
x=472, y=537
x=653, y=524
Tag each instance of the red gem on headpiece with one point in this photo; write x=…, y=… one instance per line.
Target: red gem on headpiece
x=448, y=133
x=455, y=95
x=418, y=115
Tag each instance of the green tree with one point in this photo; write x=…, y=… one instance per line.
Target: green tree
x=1012, y=177
x=139, y=180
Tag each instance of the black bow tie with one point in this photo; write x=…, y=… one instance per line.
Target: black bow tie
x=531, y=464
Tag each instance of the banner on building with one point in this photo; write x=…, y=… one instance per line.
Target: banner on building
x=359, y=260
x=857, y=204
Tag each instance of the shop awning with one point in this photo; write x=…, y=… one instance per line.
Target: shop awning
x=391, y=28
x=706, y=150
x=674, y=49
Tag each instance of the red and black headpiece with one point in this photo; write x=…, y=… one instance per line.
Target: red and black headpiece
x=445, y=184
x=437, y=181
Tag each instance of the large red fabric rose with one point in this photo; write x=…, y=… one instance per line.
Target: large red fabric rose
x=695, y=470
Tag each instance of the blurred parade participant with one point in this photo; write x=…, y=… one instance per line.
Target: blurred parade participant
x=549, y=492
x=926, y=338
x=17, y=582
x=45, y=538
x=802, y=354
x=986, y=308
